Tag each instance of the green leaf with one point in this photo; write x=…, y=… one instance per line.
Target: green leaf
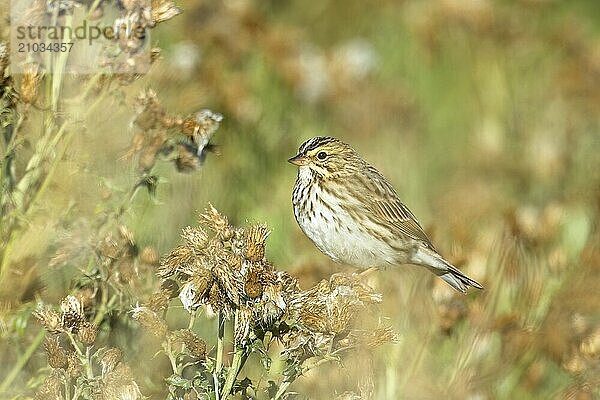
x=178, y=381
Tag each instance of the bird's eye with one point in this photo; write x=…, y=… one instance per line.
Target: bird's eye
x=322, y=155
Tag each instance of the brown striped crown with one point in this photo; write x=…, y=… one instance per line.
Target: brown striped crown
x=327, y=157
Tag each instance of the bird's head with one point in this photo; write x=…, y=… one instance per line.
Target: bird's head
x=326, y=157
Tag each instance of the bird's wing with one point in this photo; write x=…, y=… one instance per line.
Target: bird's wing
x=385, y=204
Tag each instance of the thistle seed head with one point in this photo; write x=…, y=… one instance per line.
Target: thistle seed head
x=50, y=320
x=255, y=238
x=194, y=345
x=51, y=388
x=110, y=359
x=57, y=356
x=87, y=333
x=72, y=314
x=150, y=321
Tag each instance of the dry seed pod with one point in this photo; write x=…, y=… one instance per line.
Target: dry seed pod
x=195, y=346
x=110, y=359
x=163, y=10
x=150, y=321
x=50, y=320
x=252, y=287
x=180, y=258
x=51, y=388
x=255, y=238
x=30, y=84
x=149, y=256
x=87, y=333
x=57, y=356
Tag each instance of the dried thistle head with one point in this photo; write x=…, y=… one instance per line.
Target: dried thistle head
x=229, y=281
x=110, y=359
x=87, y=333
x=216, y=300
x=194, y=292
x=177, y=261
x=57, y=356
x=119, y=384
x=195, y=239
x=369, y=338
x=149, y=256
x=50, y=319
x=51, y=388
x=159, y=301
x=74, y=367
x=150, y=321
x=72, y=314
x=217, y=222
x=194, y=345
x=255, y=238
x=30, y=83
x=164, y=10
x=149, y=110
x=243, y=326
x=330, y=306
x=252, y=287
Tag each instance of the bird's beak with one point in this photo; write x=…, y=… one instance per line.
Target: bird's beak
x=298, y=160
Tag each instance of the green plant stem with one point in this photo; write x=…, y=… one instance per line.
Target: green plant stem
x=219, y=360
x=282, y=389
x=169, y=351
x=18, y=366
x=83, y=358
x=236, y=365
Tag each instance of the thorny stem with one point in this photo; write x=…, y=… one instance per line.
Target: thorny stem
x=37, y=340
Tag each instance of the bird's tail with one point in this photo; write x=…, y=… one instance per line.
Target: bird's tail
x=442, y=268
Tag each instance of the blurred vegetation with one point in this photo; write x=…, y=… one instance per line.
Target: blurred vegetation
x=483, y=114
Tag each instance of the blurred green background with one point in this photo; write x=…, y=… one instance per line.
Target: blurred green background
x=485, y=116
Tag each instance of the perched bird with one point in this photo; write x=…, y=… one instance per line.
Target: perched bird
x=353, y=214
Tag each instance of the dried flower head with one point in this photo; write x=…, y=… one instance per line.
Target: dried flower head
x=194, y=345
x=159, y=301
x=369, y=338
x=87, y=333
x=50, y=319
x=149, y=110
x=217, y=222
x=255, y=242
x=30, y=84
x=57, y=356
x=194, y=292
x=110, y=359
x=74, y=368
x=164, y=10
x=150, y=320
x=72, y=314
x=177, y=261
x=330, y=306
x=253, y=288
x=195, y=239
x=51, y=388
x=149, y=256
x=119, y=384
